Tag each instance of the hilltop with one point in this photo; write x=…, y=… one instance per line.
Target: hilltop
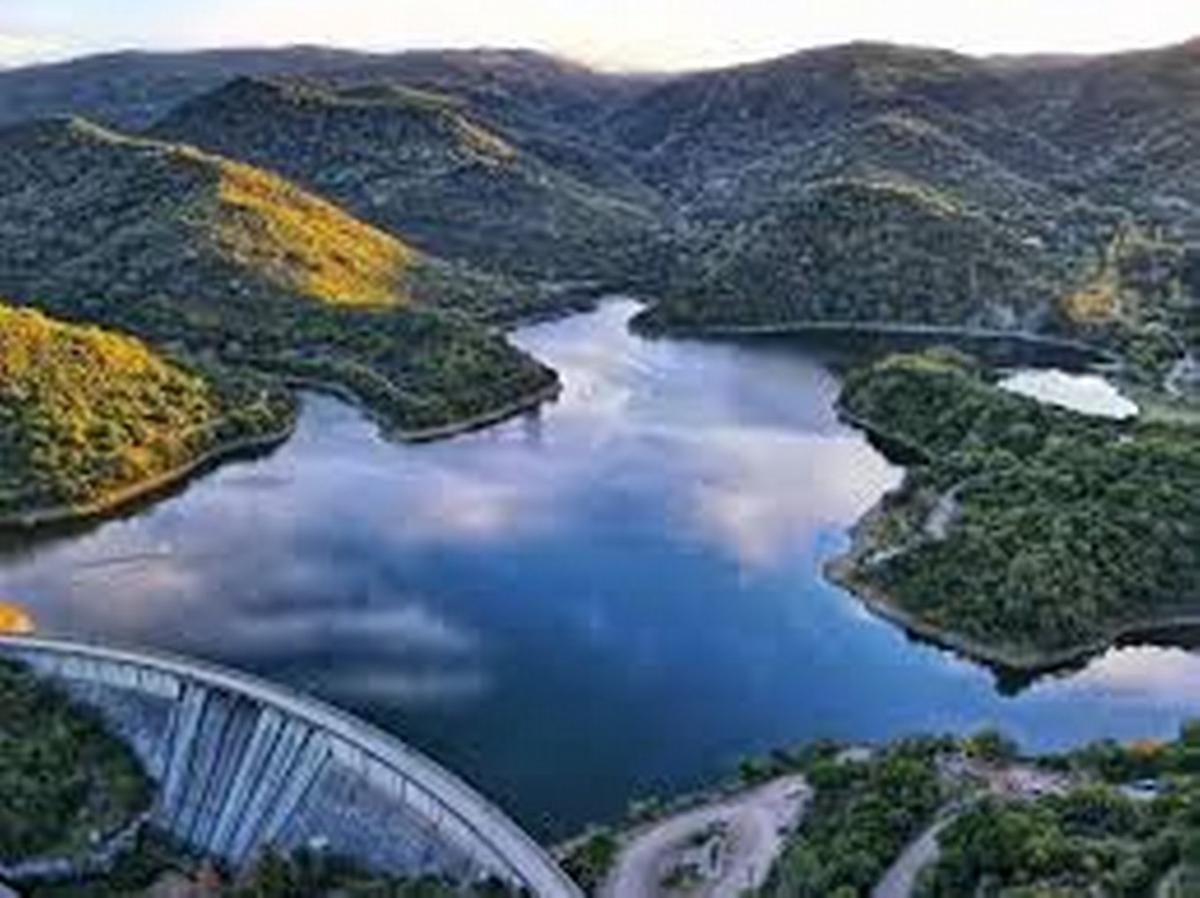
x=87, y=209
x=193, y=250
x=425, y=165
x=854, y=249
x=90, y=419
x=1037, y=194
x=133, y=89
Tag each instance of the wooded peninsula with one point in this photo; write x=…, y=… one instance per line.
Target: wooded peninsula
x=1023, y=534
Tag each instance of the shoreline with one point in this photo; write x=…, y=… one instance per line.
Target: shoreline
x=872, y=431
x=842, y=571
x=116, y=500
x=526, y=403
x=119, y=498
x=882, y=328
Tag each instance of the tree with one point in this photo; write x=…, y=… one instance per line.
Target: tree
x=990, y=745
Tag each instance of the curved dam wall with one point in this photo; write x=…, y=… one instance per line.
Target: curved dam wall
x=241, y=764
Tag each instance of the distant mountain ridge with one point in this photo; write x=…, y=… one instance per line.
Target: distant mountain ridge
x=860, y=180
x=132, y=89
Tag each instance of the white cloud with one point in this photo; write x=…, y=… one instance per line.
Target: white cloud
x=665, y=33
x=17, y=50
x=403, y=629
x=1148, y=674
x=406, y=689
x=617, y=33
x=762, y=494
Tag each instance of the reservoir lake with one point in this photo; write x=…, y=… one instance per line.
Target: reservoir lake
x=617, y=596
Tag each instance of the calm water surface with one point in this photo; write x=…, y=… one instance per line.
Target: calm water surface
x=618, y=596
x=1089, y=394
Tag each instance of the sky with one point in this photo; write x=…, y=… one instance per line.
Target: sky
x=615, y=34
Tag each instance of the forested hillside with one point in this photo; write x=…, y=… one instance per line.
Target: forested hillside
x=1024, y=534
x=71, y=786
x=422, y=164
x=1069, y=181
x=1044, y=194
x=89, y=418
x=193, y=250
x=860, y=250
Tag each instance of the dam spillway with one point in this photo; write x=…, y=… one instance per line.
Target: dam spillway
x=241, y=764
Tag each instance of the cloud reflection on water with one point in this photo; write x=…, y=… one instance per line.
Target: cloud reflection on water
x=1146, y=674
x=407, y=689
x=761, y=495
x=543, y=600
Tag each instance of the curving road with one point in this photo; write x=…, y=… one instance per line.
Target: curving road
x=901, y=878
x=755, y=825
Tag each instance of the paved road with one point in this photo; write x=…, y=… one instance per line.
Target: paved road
x=901, y=877
x=755, y=821
x=1023, y=782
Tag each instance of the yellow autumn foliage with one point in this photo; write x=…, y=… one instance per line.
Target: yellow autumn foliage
x=1094, y=303
x=86, y=413
x=14, y=619
x=305, y=244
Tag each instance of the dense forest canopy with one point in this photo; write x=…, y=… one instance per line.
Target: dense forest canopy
x=191, y=251
x=63, y=777
x=1028, y=529
x=422, y=164
x=86, y=414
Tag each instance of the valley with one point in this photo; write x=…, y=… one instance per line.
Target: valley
x=604, y=432
x=860, y=182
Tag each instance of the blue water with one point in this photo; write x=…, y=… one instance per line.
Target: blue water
x=618, y=596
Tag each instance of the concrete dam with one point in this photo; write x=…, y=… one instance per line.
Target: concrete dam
x=241, y=764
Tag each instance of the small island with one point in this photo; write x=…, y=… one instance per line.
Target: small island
x=1024, y=535
x=91, y=420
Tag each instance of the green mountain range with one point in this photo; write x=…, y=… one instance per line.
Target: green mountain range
x=858, y=182
x=424, y=165
x=363, y=221
x=217, y=258
x=849, y=181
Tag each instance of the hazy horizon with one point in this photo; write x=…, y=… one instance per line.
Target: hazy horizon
x=609, y=34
